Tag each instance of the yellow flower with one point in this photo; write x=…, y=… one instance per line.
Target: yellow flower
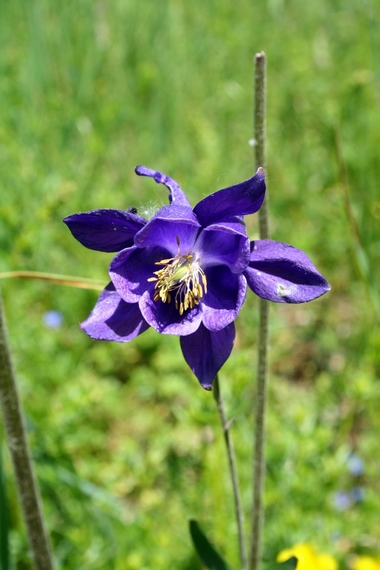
x=308, y=559
x=366, y=563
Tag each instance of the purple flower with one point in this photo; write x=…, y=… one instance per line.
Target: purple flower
x=185, y=271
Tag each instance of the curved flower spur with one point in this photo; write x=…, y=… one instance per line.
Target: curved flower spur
x=185, y=271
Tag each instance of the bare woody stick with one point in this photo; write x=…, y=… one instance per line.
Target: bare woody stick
x=22, y=463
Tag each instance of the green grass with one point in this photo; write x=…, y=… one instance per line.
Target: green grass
x=126, y=444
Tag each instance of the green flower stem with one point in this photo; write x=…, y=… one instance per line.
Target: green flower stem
x=233, y=471
x=263, y=335
x=69, y=280
x=17, y=440
x=260, y=134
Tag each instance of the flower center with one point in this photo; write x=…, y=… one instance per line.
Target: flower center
x=183, y=275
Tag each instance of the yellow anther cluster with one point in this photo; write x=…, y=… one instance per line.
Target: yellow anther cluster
x=183, y=275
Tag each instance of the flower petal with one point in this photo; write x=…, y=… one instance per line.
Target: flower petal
x=238, y=200
x=130, y=270
x=282, y=273
x=113, y=319
x=224, y=243
x=165, y=318
x=176, y=194
x=105, y=230
x=168, y=224
x=225, y=296
x=206, y=351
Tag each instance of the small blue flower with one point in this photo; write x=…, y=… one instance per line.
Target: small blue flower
x=355, y=465
x=186, y=271
x=342, y=500
x=52, y=319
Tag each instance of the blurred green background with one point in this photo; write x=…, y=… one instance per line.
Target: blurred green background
x=127, y=445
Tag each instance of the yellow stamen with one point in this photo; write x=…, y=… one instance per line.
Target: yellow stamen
x=183, y=275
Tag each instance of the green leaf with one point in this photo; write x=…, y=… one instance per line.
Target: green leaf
x=205, y=550
x=289, y=564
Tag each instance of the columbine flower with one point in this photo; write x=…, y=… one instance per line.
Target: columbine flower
x=185, y=271
x=307, y=558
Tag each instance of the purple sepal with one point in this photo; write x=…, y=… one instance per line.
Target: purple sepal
x=282, y=273
x=105, y=230
x=176, y=195
x=114, y=319
x=238, y=200
x=206, y=352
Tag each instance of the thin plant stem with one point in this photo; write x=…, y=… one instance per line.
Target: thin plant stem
x=57, y=279
x=18, y=445
x=260, y=134
x=263, y=334
x=233, y=471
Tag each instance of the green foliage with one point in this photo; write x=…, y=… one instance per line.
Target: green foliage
x=127, y=445
x=206, y=552
x=290, y=564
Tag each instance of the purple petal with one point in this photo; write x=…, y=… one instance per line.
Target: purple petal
x=239, y=200
x=168, y=224
x=281, y=273
x=206, y=352
x=176, y=195
x=130, y=270
x=225, y=296
x=224, y=244
x=165, y=318
x=105, y=230
x=113, y=319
